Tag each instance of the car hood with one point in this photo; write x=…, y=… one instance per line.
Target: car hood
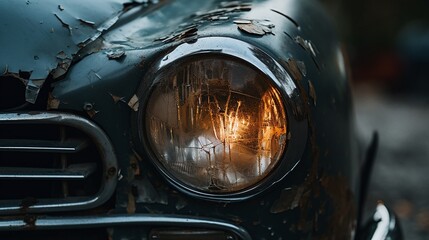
x=39, y=38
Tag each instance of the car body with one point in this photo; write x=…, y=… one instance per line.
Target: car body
x=92, y=99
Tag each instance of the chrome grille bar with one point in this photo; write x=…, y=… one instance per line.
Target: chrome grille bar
x=57, y=168
x=76, y=171
x=29, y=145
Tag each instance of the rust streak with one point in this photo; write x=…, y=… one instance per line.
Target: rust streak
x=27, y=203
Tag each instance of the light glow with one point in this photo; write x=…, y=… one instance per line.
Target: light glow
x=217, y=125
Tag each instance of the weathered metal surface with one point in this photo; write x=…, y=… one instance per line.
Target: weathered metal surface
x=302, y=205
x=297, y=39
x=43, y=37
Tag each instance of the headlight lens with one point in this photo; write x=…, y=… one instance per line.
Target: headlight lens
x=217, y=124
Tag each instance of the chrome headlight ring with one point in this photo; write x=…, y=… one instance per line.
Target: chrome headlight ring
x=215, y=118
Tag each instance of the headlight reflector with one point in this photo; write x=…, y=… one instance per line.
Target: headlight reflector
x=216, y=124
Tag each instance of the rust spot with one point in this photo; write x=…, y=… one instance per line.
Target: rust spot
x=134, y=165
x=131, y=206
x=311, y=185
x=235, y=219
x=312, y=92
x=89, y=108
x=30, y=221
x=256, y=27
x=289, y=200
x=343, y=219
x=293, y=69
x=302, y=68
x=53, y=103
x=28, y=202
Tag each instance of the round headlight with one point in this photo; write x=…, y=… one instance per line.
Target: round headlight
x=215, y=123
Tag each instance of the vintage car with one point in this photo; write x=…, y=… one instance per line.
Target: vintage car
x=133, y=119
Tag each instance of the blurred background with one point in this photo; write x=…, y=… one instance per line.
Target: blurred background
x=388, y=47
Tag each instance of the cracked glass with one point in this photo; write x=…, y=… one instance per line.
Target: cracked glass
x=216, y=124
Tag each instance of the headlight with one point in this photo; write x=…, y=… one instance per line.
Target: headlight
x=213, y=118
x=216, y=124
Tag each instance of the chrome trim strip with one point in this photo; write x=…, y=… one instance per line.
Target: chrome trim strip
x=51, y=223
x=69, y=146
x=76, y=171
x=105, y=148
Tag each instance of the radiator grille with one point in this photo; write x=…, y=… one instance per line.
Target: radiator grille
x=53, y=162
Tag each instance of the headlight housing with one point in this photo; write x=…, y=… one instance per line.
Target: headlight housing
x=213, y=123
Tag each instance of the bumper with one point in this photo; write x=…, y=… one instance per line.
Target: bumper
x=118, y=220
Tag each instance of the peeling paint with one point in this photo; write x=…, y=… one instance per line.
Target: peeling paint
x=90, y=23
x=134, y=103
x=188, y=33
x=116, y=54
x=310, y=48
x=64, y=62
x=305, y=44
x=32, y=89
x=256, y=27
x=117, y=99
x=91, y=113
x=50, y=46
x=223, y=9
